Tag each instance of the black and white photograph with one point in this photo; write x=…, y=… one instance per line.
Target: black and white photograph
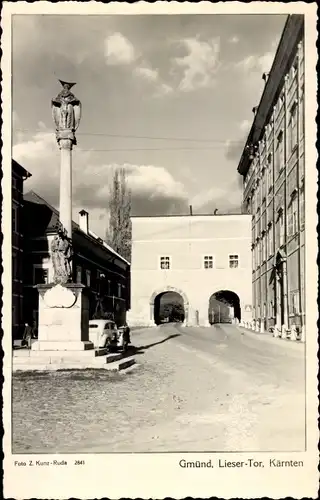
x=160, y=168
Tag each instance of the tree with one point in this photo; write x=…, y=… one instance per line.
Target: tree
x=119, y=230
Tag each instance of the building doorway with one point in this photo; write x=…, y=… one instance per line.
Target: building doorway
x=224, y=307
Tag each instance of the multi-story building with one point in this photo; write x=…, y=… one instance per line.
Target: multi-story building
x=19, y=175
x=95, y=264
x=198, y=257
x=273, y=168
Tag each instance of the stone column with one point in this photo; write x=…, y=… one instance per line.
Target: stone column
x=66, y=185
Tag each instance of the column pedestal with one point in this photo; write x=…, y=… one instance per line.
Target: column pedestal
x=63, y=319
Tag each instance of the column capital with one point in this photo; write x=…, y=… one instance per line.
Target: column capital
x=65, y=138
x=65, y=144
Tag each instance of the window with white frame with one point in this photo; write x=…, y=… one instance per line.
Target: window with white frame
x=270, y=240
x=279, y=155
x=301, y=112
x=294, y=302
x=253, y=252
x=208, y=261
x=263, y=248
x=40, y=274
x=15, y=218
x=88, y=277
x=302, y=208
x=269, y=173
x=271, y=309
x=292, y=129
x=281, y=229
x=233, y=261
x=292, y=217
x=165, y=262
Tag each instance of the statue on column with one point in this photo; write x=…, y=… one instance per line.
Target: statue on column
x=66, y=113
x=61, y=254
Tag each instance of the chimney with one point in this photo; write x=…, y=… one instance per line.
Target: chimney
x=84, y=221
x=190, y=207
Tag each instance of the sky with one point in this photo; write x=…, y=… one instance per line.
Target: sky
x=168, y=97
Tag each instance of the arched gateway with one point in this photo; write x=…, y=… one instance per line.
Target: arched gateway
x=158, y=294
x=224, y=307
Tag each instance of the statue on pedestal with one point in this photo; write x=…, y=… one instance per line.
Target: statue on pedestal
x=66, y=113
x=61, y=253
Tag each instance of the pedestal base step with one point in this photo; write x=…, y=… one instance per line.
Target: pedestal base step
x=113, y=361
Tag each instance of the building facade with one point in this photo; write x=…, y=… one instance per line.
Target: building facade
x=273, y=169
x=19, y=175
x=95, y=264
x=196, y=256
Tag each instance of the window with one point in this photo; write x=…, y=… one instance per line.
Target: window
x=302, y=210
x=281, y=229
x=301, y=112
x=109, y=288
x=269, y=174
x=270, y=309
x=14, y=218
x=119, y=290
x=208, y=262
x=253, y=251
x=292, y=129
x=79, y=274
x=279, y=155
x=294, y=302
x=292, y=217
x=233, y=261
x=263, y=248
x=40, y=275
x=88, y=277
x=258, y=254
x=164, y=262
x=270, y=240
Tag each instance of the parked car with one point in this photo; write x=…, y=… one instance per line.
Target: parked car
x=104, y=333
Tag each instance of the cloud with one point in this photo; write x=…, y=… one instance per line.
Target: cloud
x=147, y=73
x=234, y=39
x=245, y=126
x=260, y=63
x=200, y=65
x=151, y=76
x=226, y=199
x=154, y=189
x=119, y=50
x=234, y=149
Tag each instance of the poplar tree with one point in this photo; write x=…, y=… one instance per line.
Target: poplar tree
x=119, y=227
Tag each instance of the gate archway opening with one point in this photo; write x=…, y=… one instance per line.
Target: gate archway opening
x=169, y=305
x=224, y=307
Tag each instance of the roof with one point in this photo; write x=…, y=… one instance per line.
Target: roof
x=48, y=219
x=19, y=169
x=282, y=62
x=33, y=197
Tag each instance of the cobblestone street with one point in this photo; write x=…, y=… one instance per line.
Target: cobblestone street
x=193, y=389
